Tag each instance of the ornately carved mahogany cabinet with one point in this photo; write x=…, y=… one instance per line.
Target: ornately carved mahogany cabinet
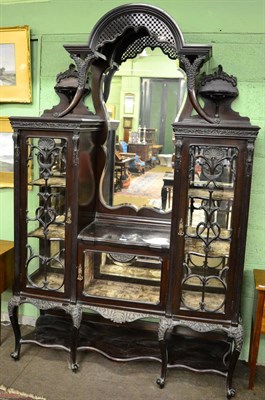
x=133, y=282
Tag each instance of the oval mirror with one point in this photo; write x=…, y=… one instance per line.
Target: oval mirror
x=146, y=96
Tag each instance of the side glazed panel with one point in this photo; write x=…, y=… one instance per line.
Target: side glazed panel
x=208, y=228
x=45, y=262
x=45, y=213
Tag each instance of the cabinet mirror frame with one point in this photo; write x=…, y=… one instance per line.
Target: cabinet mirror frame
x=122, y=34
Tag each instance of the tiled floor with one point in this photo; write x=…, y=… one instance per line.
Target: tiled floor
x=45, y=372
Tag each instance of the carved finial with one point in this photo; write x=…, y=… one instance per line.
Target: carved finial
x=219, y=74
x=71, y=72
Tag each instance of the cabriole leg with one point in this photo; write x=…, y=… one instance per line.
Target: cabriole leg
x=237, y=334
x=164, y=357
x=13, y=316
x=76, y=314
x=164, y=325
x=73, y=362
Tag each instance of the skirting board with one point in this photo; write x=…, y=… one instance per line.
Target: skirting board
x=23, y=319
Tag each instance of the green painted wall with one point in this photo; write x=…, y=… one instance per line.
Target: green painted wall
x=236, y=29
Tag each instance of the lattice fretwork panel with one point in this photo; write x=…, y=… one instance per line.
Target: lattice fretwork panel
x=159, y=32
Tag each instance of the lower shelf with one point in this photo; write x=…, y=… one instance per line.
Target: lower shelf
x=135, y=341
x=198, y=352
x=119, y=342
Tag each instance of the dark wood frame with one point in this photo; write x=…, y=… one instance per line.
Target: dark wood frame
x=120, y=34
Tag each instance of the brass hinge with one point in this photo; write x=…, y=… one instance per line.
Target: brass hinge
x=181, y=228
x=79, y=273
x=68, y=219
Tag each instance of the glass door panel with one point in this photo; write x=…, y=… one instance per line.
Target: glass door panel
x=208, y=230
x=46, y=217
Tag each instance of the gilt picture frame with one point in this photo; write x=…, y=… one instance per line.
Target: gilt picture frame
x=6, y=154
x=15, y=65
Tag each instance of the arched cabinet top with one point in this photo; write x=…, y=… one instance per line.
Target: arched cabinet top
x=126, y=30
x=123, y=33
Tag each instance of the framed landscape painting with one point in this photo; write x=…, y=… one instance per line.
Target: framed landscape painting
x=15, y=66
x=6, y=154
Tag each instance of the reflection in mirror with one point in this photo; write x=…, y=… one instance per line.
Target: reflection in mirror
x=128, y=103
x=139, y=167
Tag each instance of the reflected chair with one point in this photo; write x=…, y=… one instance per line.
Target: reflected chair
x=135, y=164
x=139, y=164
x=123, y=146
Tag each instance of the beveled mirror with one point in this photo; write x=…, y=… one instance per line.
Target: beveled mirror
x=154, y=88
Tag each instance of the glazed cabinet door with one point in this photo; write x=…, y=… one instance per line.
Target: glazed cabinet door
x=44, y=195
x=206, y=228
x=120, y=279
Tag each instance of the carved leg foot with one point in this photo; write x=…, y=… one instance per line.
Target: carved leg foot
x=76, y=314
x=164, y=356
x=160, y=382
x=13, y=316
x=231, y=393
x=74, y=367
x=164, y=325
x=237, y=335
x=74, y=364
x=15, y=354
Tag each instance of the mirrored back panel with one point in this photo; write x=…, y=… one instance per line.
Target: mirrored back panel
x=122, y=276
x=146, y=95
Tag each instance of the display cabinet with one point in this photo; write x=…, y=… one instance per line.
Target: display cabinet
x=176, y=261
x=213, y=165
x=50, y=203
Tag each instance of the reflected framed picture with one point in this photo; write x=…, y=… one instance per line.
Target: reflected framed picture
x=111, y=111
x=127, y=122
x=15, y=66
x=6, y=154
x=129, y=103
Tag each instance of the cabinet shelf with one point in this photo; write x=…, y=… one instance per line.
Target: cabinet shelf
x=118, y=343
x=55, y=232
x=193, y=300
x=218, y=194
x=123, y=291
x=54, y=181
x=199, y=353
x=129, y=234
x=134, y=342
x=225, y=234
x=131, y=272
x=55, y=280
x=217, y=248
